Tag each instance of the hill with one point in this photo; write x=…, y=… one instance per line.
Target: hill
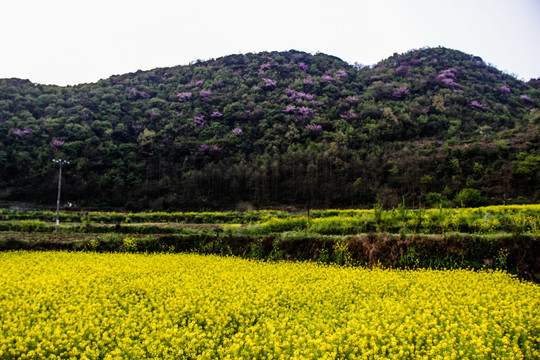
x=277, y=128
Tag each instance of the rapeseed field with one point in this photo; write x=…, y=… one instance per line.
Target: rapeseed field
x=61, y=305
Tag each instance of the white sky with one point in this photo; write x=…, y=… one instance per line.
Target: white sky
x=73, y=41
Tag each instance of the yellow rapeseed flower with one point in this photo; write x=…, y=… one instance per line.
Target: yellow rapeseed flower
x=61, y=305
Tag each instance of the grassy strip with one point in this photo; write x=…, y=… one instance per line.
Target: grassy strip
x=486, y=220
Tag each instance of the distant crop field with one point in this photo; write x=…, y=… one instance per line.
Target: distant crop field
x=481, y=220
x=86, y=305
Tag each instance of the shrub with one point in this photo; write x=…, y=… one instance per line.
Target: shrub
x=468, y=197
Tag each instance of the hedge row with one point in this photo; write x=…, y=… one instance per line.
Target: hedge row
x=519, y=254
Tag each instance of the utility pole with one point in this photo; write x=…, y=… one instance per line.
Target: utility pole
x=60, y=162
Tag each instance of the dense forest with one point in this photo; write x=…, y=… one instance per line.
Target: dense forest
x=427, y=127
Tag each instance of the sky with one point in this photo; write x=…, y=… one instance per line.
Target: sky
x=68, y=42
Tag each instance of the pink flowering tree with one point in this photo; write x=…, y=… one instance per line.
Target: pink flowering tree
x=341, y=73
x=305, y=113
x=264, y=66
x=205, y=94
x=290, y=109
x=303, y=66
x=402, y=69
x=199, y=120
x=56, y=144
x=308, y=81
x=478, y=106
x=313, y=127
x=203, y=148
x=23, y=132
x=352, y=99
x=216, y=114
x=447, y=77
x=401, y=92
x=269, y=82
x=237, y=131
x=348, y=115
x=327, y=78
x=303, y=96
x=505, y=89
x=184, y=96
x=291, y=93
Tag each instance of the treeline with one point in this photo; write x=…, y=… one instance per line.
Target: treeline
x=431, y=126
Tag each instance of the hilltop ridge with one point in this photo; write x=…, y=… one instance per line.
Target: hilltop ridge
x=277, y=128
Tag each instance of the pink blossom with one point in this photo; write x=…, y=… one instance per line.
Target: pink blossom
x=205, y=94
x=477, y=106
x=327, y=78
x=23, y=132
x=402, y=69
x=269, y=82
x=199, y=120
x=505, y=89
x=352, y=99
x=525, y=97
x=237, y=131
x=448, y=81
x=203, y=147
x=289, y=109
x=303, y=66
x=401, y=92
x=348, y=115
x=305, y=96
x=290, y=93
x=216, y=114
x=184, y=96
x=447, y=77
x=308, y=81
x=305, y=112
x=57, y=143
x=341, y=73
x=313, y=127
x=254, y=111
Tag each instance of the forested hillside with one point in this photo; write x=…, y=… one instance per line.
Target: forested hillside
x=277, y=128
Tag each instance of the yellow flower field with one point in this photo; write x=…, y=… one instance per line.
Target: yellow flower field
x=60, y=305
